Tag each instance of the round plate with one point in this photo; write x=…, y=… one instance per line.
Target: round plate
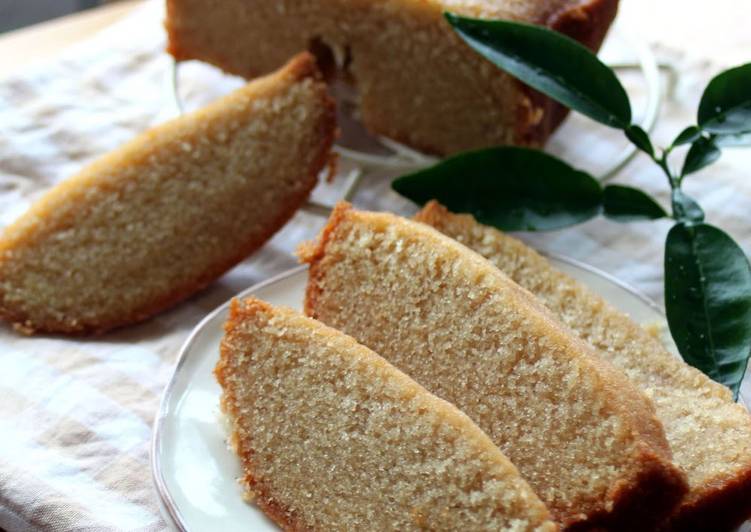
x=196, y=473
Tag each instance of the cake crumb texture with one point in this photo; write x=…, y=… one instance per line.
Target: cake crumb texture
x=159, y=218
x=332, y=437
x=417, y=81
x=583, y=437
x=709, y=434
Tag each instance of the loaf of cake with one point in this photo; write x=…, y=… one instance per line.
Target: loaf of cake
x=417, y=81
x=161, y=217
x=579, y=432
x=332, y=437
x=709, y=434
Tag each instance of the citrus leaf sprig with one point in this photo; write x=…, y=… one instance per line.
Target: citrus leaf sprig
x=707, y=274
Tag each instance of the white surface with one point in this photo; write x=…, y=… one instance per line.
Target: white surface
x=192, y=464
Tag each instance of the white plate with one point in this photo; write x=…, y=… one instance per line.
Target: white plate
x=194, y=471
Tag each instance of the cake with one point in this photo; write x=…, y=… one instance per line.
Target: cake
x=709, y=434
x=582, y=436
x=332, y=437
x=417, y=81
x=164, y=215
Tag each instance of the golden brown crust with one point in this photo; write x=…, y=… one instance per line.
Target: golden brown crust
x=311, y=253
x=640, y=503
x=281, y=515
x=724, y=505
x=650, y=489
x=175, y=46
x=588, y=23
x=299, y=68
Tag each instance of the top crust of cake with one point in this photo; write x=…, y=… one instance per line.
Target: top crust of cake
x=709, y=434
x=333, y=437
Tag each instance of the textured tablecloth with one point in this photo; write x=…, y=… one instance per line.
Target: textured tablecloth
x=76, y=415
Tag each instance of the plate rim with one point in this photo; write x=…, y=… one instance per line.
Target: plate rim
x=166, y=502
x=165, y=499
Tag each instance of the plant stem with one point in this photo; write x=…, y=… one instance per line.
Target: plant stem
x=662, y=162
x=673, y=181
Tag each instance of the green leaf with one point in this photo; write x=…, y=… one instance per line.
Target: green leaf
x=688, y=135
x=702, y=153
x=732, y=141
x=685, y=209
x=725, y=106
x=640, y=139
x=708, y=301
x=625, y=204
x=552, y=63
x=508, y=187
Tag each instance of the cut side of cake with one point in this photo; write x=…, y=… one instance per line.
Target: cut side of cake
x=161, y=217
x=709, y=434
x=333, y=437
x=583, y=437
x=417, y=81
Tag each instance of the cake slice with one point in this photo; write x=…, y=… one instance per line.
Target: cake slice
x=583, y=437
x=709, y=434
x=417, y=81
x=332, y=437
x=161, y=217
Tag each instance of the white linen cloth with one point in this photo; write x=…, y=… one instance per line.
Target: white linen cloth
x=76, y=414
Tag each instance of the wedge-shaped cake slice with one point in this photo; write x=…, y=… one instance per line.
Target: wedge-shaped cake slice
x=709, y=434
x=416, y=80
x=333, y=437
x=161, y=217
x=583, y=437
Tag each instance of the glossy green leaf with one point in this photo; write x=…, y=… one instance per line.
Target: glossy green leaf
x=725, y=106
x=552, y=63
x=708, y=301
x=685, y=209
x=687, y=136
x=626, y=204
x=702, y=153
x=733, y=141
x=508, y=187
x=640, y=139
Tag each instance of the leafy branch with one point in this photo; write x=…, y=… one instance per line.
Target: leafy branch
x=707, y=274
